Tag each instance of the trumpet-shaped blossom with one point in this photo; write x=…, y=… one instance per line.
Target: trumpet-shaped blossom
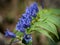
x=9, y=34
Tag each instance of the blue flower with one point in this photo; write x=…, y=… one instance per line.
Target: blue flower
x=25, y=21
x=20, y=28
x=26, y=39
x=23, y=24
x=20, y=25
x=32, y=10
x=28, y=11
x=9, y=34
x=26, y=15
x=34, y=6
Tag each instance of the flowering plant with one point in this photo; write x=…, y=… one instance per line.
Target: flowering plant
x=42, y=21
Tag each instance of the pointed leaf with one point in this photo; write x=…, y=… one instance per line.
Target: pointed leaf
x=46, y=26
x=43, y=32
x=53, y=27
x=55, y=20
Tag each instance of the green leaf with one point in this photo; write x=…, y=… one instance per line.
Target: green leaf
x=55, y=11
x=49, y=20
x=53, y=27
x=46, y=26
x=55, y=20
x=45, y=33
x=20, y=34
x=42, y=15
x=42, y=31
x=52, y=15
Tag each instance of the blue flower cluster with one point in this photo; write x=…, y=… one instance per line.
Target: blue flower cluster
x=32, y=10
x=25, y=21
x=27, y=38
x=9, y=34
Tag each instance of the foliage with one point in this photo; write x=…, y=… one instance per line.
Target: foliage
x=48, y=21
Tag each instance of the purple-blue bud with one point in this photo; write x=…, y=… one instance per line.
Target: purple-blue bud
x=9, y=34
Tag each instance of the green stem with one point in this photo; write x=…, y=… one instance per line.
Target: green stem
x=12, y=39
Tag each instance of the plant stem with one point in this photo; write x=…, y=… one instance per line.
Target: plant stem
x=12, y=39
